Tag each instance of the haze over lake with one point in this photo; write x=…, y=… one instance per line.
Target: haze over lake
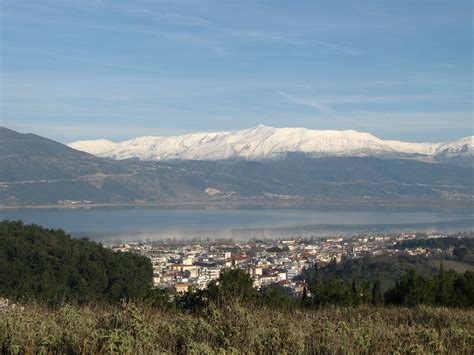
x=153, y=223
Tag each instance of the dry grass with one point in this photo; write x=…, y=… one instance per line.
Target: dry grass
x=455, y=265
x=135, y=329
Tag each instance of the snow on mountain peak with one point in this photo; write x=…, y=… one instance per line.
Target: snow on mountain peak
x=96, y=147
x=463, y=147
x=262, y=142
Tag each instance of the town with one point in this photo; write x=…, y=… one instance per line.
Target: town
x=179, y=266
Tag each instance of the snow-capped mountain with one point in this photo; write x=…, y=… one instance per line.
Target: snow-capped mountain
x=264, y=142
x=458, y=152
x=55, y=174
x=460, y=148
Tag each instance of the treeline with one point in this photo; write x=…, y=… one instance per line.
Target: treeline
x=445, y=289
x=436, y=243
x=462, y=247
x=450, y=289
x=389, y=279
x=365, y=269
x=48, y=265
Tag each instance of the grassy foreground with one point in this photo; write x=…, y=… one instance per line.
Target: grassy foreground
x=132, y=328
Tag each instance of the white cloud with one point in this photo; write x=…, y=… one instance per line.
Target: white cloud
x=172, y=18
x=326, y=103
x=293, y=41
x=309, y=102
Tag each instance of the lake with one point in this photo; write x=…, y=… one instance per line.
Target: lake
x=126, y=224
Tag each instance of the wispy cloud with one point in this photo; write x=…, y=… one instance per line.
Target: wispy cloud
x=173, y=18
x=309, y=102
x=326, y=103
x=273, y=37
x=165, y=63
x=177, y=26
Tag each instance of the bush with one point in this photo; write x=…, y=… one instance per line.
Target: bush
x=235, y=328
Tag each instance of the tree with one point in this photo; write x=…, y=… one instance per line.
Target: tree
x=463, y=290
x=412, y=289
x=442, y=296
x=332, y=290
x=50, y=266
x=232, y=285
x=193, y=300
x=274, y=296
x=159, y=298
x=305, y=301
x=377, y=296
x=355, y=293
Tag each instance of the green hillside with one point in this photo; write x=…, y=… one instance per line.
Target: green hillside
x=50, y=266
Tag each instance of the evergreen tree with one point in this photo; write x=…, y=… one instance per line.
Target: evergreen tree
x=50, y=266
x=304, y=298
x=442, y=288
x=332, y=290
x=412, y=289
x=274, y=296
x=355, y=294
x=463, y=290
x=377, y=296
x=233, y=284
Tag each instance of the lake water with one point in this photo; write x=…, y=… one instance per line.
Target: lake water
x=152, y=223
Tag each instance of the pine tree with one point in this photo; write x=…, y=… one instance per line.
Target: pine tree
x=442, y=291
x=304, y=298
x=355, y=293
x=377, y=296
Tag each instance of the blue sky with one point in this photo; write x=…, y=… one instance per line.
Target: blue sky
x=85, y=69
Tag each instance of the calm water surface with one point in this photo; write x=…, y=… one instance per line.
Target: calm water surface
x=149, y=223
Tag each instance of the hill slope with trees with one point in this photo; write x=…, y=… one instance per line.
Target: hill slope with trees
x=50, y=266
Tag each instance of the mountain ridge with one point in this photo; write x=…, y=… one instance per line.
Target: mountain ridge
x=36, y=171
x=262, y=143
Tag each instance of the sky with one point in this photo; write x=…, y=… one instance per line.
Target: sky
x=88, y=69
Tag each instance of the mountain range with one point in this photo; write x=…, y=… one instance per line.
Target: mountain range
x=36, y=171
x=263, y=143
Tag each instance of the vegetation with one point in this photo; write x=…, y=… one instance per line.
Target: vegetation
x=440, y=243
x=410, y=289
x=50, y=266
x=447, y=289
x=235, y=328
x=462, y=246
x=389, y=267
x=78, y=284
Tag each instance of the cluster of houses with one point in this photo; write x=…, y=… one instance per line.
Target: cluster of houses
x=179, y=266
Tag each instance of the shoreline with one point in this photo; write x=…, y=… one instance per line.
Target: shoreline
x=243, y=205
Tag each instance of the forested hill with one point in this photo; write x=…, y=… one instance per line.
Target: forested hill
x=48, y=265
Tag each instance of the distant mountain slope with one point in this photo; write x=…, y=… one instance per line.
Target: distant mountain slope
x=460, y=152
x=263, y=142
x=26, y=157
x=22, y=145
x=38, y=171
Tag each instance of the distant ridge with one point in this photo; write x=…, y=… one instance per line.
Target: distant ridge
x=36, y=171
x=262, y=143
